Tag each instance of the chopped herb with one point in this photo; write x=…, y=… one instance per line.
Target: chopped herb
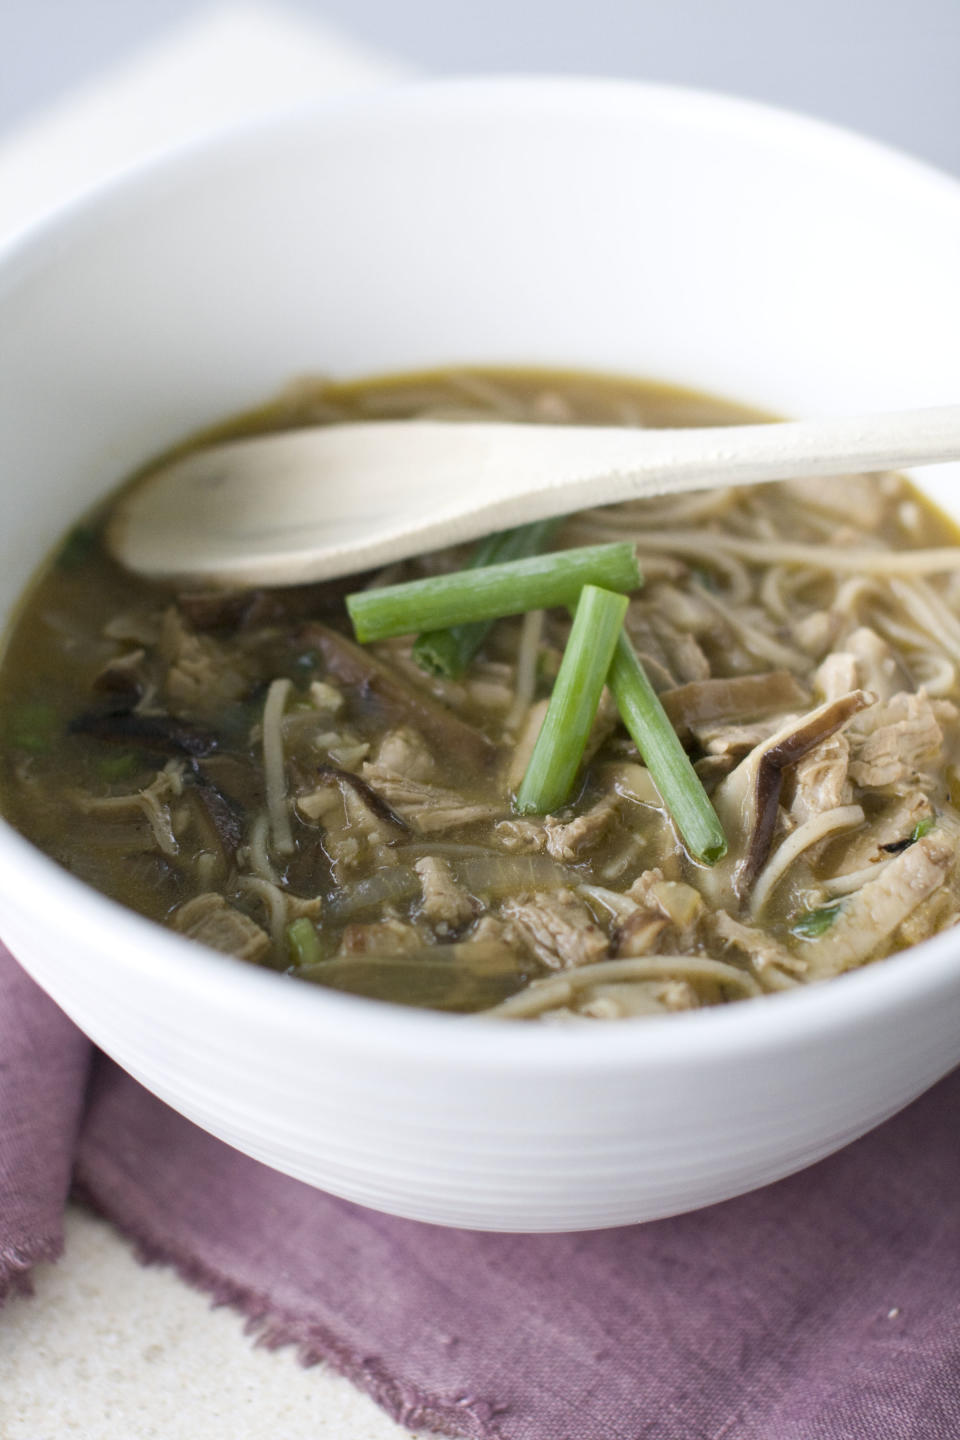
x=79, y=547
x=811, y=924
x=536, y=583
x=573, y=705
x=922, y=827
x=304, y=942
x=117, y=767
x=34, y=726
x=449, y=652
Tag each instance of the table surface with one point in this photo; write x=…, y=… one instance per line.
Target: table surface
x=107, y=1350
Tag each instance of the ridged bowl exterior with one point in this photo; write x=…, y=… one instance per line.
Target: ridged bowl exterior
x=584, y=224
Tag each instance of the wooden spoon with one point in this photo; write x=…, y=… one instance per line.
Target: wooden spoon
x=309, y=504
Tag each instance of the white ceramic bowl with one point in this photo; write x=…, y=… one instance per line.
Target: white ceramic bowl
x=657, y=232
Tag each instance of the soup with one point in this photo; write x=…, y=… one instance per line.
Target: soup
x=235, y=766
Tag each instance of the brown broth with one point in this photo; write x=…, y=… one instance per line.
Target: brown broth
x=527, y=902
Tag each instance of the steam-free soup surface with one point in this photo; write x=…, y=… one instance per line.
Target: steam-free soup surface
x=234, y=766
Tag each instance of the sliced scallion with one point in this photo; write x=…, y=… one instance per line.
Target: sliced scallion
x=814, y=923
x=536, y=583
x=34, y=726
x=118, y=767
x=449, y=652
x=304, y=942
x=556, y=757
x=79, y=547
x=668, y=763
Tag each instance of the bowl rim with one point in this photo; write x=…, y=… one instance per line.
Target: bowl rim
x=873, y=992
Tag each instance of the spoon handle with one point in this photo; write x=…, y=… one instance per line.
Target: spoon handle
x=504, y=475
x=604, y=465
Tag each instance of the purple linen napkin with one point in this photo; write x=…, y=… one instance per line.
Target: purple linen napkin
x=826, y=1307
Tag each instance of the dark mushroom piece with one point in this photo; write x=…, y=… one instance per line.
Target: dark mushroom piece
x=122, y=678
x=227, y=611
x=742, y=697
x=748, y=799
x=226, y=816
x=329, y=774
x=162, y=733
x=396, y=700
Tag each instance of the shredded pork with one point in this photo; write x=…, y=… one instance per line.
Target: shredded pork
x=558, y=928
x=212, y=921
x=873, y=913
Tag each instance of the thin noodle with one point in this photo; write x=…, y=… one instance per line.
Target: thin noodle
x=771, y=592
x=531, y=637
x=738, y=581
x=934, y=672
x=850, y=593
x=755, y=640
x=557, y=990
x=274, y=766
x=844, y=817
x=703, y=505
x=258, y=857
x=854, y=879
x=773, y=979
x=866, y=561
x=206, y=869
x=926, y=607
x=274, y=900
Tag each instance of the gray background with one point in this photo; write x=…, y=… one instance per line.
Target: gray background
x=890, y=68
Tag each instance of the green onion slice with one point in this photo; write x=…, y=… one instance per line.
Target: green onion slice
x=536, y=583
x=304, y=942
x=814, y=923
x=556, y=757
x=670, y=768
